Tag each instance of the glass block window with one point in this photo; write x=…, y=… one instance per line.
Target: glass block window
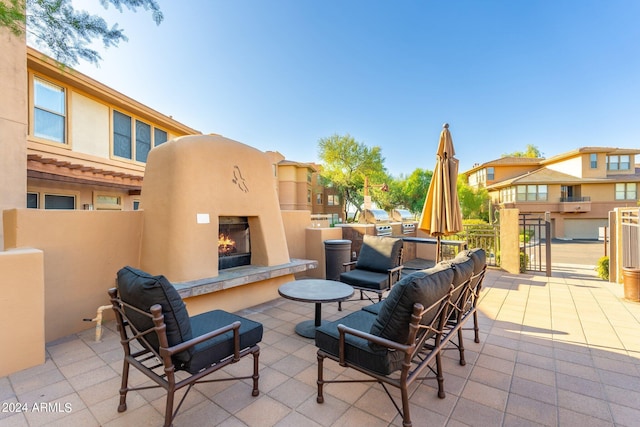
x=49, y=115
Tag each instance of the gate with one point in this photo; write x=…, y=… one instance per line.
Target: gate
x=630, y=241
x=535, y=243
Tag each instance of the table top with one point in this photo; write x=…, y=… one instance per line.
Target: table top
x=316, y=290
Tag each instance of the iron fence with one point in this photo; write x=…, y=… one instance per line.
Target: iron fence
x=485, y=236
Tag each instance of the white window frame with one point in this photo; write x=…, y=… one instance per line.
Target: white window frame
x=60, y=114
x=626, y=191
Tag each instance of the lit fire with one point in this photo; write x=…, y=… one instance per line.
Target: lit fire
x=226, y=245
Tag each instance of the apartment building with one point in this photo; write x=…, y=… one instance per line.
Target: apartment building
x=577, y=188
x=87, y=146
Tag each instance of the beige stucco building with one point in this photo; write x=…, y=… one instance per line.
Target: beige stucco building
x=578, y=188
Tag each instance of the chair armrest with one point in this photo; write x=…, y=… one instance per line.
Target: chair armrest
x=344, y=330
x=392, y=272
x=348, y=265
x=235, y=327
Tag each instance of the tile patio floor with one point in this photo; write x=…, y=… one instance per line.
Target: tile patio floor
x=559, y=351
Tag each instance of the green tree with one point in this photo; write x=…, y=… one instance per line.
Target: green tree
x=474, y=202
x=411, y=191
x=531, y=151
x=64, y=32
x=346, y=163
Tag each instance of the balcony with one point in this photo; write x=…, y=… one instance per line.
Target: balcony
x=574, y=204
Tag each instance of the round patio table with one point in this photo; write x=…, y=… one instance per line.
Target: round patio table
x=317, y=291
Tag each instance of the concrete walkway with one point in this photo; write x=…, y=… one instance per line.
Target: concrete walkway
x=558, y=351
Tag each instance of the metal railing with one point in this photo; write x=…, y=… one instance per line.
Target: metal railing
x=575, y=199
x=485, y=236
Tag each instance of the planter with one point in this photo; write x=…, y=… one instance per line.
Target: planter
x=631, y=281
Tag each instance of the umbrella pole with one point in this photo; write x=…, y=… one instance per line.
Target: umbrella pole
x=438, y=250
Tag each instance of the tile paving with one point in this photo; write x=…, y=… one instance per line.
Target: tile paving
x=558, y=351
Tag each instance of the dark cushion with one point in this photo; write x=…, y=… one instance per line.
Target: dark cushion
x=366, y=279
x=357, y=350
x=463, y=267
x=218, y=348
x=425, y=287
x=379, y=253
x=142, y=290
x=373, y=308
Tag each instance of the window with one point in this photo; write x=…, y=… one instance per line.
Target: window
x=121, y=135
x=508, y=195
x=144, y=135
x=308, y=196
x=490, y=173
x=318, y=198
x=531, y=193
x=594, y=160
x=333, y=200
x=108, y=202
x=626, y=191
x=618, y=162
x=54, y=201
x=308, y=176
x=32, y=200
x=49, y=115
x=159, y=137
x=143, y=141
x=136, y=205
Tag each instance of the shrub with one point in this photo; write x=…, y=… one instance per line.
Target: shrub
x=602, y=268
x=524, y=260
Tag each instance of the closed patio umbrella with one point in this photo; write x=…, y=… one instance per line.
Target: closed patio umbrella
x=441, y=213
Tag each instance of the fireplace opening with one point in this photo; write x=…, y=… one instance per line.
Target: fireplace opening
x=234, y=245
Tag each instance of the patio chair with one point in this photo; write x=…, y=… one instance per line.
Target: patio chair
x=469, y=267
x=467, y=301
x=398, y=345
x=159, y=338
x=378, y=267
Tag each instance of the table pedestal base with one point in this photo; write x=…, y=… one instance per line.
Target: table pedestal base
x=307, y=328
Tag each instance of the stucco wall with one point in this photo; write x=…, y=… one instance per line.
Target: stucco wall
x=83, y=250
x=21, y=310
x=295, y=223
x=90, y=130
x=13, y=122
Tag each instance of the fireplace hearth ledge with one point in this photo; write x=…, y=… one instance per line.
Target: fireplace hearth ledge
x=238, y=276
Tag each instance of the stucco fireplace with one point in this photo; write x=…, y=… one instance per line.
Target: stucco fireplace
x=201, y=186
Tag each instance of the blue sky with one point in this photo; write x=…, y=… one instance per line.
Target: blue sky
x=281, y=74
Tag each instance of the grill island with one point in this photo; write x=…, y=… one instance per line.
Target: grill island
x=379, y=218
x=406, y=219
